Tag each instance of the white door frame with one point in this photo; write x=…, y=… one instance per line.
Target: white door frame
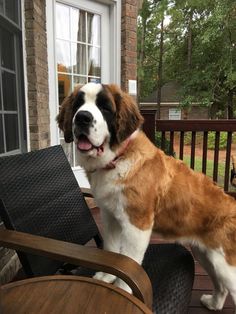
x=110, y=75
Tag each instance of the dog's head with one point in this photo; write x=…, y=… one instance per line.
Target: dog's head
x=95, y=114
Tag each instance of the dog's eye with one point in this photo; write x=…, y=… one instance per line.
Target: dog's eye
x=106, y=108
x=78, y=102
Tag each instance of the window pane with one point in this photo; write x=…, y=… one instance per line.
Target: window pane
x=94, y=63
x=12, y=132
x=12, y=10
x=94, y=22
x=78, y=25
x=9, y=91
x=79, y=58
x=79, y=80
x=7, y=49
x=64, y=86
x=94, y=80
x=63, y=56
x=1, y=136
x=62, y=21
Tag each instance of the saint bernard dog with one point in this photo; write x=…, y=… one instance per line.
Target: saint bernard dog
x=139, y=189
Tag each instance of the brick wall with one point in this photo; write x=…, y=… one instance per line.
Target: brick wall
x=37, y=73
x=128, y=42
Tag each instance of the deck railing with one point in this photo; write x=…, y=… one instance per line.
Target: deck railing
x=174, y=131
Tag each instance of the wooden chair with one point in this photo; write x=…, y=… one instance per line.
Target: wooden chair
x=122, y=266
x=41, y=197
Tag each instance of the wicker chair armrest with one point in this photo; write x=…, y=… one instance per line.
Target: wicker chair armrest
x=119, y=265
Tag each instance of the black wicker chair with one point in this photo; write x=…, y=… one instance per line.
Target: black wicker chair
x=41, y=196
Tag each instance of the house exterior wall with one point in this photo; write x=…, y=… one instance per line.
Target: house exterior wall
x=195, y=113
x=128, y=42
x=37, y=73
x=37, y=65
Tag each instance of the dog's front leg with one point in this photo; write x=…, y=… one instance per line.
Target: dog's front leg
x=112, y=241
x=134, y=243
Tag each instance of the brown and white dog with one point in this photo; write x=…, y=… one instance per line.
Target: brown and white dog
x=139, y=188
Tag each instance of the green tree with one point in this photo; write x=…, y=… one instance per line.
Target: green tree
x=150, y=35
x=199, y=51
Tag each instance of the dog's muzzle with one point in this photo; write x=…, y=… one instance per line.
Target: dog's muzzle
x=83, y=119
x=82, y=123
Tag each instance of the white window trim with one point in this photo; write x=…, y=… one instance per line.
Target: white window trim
x=114, y=55
x=25, y=76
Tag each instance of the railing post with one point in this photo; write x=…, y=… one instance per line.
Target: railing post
x=149, y=125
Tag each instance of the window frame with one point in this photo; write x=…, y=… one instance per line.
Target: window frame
x=16, y=30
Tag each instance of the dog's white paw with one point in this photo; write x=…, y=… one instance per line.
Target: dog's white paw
x=104, y=277
x=121, y=284
x=209, y=302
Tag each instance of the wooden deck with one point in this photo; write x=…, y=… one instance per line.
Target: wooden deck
x=202, y=283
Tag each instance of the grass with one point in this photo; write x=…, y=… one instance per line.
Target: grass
x=210, y=167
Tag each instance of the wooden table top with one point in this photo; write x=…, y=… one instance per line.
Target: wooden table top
x=67, y=295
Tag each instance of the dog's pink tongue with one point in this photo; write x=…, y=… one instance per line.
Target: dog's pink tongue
x=84, y=144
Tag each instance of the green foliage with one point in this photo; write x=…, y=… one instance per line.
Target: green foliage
x=210, y=141
x=199, y=49
x=166, y=145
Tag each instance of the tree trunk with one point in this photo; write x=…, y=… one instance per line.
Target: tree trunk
x=141, y=52
x=230, y=105
x=141, y=57
x=159, y=71
x=189, y=60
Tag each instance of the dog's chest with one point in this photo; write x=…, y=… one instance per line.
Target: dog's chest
x=108, y=190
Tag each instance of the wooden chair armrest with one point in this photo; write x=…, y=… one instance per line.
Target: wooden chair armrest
x=119, y=265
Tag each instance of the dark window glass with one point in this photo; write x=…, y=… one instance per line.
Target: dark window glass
x=7, y=49
x=9, y=91
x=1, y=136
x=11, y=7
x=0, y=94
x=1, y=6
x=12, y=133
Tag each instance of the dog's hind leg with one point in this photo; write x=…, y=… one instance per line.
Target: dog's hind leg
x=217, y=299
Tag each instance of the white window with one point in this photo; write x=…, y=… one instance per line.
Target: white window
x=78, y=55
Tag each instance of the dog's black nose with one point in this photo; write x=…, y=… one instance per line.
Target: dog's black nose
x=83, y=118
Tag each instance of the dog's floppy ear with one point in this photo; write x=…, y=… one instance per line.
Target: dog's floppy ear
x=65, y=116
x=128, y=117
